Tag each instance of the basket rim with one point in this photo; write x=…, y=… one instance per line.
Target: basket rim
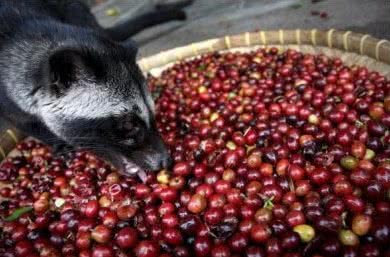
x=347, y=41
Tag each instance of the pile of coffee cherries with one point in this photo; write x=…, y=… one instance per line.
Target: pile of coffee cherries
x=275, y=154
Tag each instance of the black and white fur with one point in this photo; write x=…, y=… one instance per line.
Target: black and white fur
x=69, y=82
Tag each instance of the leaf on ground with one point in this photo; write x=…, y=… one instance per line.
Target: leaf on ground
x=18, y=212
x=112, y=11
x=296, y=6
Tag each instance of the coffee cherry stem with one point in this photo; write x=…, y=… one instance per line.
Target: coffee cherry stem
x=268, y=203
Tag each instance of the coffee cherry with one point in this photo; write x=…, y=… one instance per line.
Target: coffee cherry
x=254, y=251
x=295, y=218
x=202, y=246
x=101, y=234
x=331, y=247
x=91, y=209
x=347, y=237
x=147, y=248
x=126, y=238
x=83, y=240
x=358, y=149
x=290, y=240
x=181, y=169
x=305, y=232
x=263, y=215
x=197, y=203
x=380, y=230
x=102, y=251
x=163, y=177
x=213, y=216
x=172, y=236
x=369, y=250
x=349, y=162
x=126, y=212
x=260, y=233
x=361, y=224
x=41, y=205
x=24, y=248
x=238, y=242
x=168, y=195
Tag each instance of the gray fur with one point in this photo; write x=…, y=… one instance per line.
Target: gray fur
x=65, y=81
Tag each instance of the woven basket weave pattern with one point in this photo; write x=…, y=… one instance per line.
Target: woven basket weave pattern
x=352, y=48
x=363, y=45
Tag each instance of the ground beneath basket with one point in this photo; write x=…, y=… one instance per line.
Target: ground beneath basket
x=208, y=19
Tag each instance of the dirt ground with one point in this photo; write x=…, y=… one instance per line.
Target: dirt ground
x=216, y=18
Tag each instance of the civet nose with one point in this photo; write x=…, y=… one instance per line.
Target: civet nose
x=166, y=163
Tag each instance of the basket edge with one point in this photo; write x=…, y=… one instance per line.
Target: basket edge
x=362, y=44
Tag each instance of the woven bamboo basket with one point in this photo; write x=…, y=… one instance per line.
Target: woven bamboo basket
x=352, y=48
